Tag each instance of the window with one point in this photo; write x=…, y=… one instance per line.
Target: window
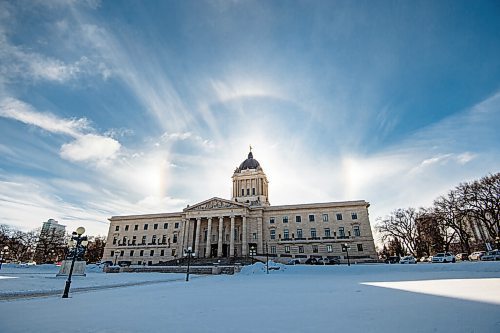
x=356, y=230
x=112, y=253
x=273, y=234
x=165, y=225
x=175, y=238
x=315, y=248
x=285, y=219
x=143, y=240
x=248, y=191
x=136, y=227
x=287, y=249
x=329, y=248
x=339, y=217
x=126, y=228
x=286, y=234
x=124, y=240
x=176, y=225
x=131, y=253
x=151, y=253
x=145, y=227
x=253, y=190
x=164, y=239
x=134, y=239
x=162, y=253
x=299, y=233
x=205, y=234
x=254, y=235
x=153, y=239
x=341, y=232
x=327, y=232
x=271, y=220
x=298, y=218
x=122, y=252
x=173, y=252
x=155, y=226
x=301, y=249
x=273, y=249
x=117, y=228
x=313, y=232
x=354, y=216
x=311, y=217
x=242, y=192
x=360, y=247
x=115, y=240
x=325, y=217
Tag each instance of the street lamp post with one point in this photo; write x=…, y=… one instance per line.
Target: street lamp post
x=77, y=244
x=189, y=253
x=117, y=253
x=267, y=259
x=346, y=247
x=3, y=253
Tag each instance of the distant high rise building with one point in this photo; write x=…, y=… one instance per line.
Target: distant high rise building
x=50, y=246
x=52, y=226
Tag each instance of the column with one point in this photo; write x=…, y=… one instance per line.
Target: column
x=209, y=238
x=259, y=236
x=182, y=237
x=231, y=238
x=244, y=245
x=197, y=239
x=219, y=245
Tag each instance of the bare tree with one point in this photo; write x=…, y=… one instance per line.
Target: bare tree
x=482, y=202
x=450, y=211
x=95, y=249
x=401, y=225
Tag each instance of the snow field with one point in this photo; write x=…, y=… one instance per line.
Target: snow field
x=361, y=298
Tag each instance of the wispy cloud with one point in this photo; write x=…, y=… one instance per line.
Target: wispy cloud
x=85, y=146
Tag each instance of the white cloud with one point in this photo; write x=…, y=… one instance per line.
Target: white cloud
x=84, y=147
x=90, y=147
x=20, y=111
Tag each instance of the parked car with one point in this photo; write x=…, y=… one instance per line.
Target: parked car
x=332, y=261
x=477, y=255
x=293, y=262
x=443, y=257
x=408, y=260
x=321, y=261
x=392, y=260
x=311, y=261
x=462, y=256
x=491, y=256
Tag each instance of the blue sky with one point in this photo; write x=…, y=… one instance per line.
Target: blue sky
x=110, y=108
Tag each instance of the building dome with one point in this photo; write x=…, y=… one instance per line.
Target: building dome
x=249, y=163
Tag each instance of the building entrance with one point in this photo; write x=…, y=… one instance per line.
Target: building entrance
x=213, y=250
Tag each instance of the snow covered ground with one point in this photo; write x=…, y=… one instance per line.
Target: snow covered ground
x=461, y=297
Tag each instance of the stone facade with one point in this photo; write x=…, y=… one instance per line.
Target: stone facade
x=245, y=226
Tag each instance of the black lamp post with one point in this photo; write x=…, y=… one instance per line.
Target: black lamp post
x=252, y=251
x=346, y=247
x=3, y=253
x=189, y=253
x=117, y=253
x=267, y=259
x=77, y=246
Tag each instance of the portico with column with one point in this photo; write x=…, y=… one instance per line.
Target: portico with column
x=217, y=228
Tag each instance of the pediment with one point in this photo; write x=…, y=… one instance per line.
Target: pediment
x=214, y=203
